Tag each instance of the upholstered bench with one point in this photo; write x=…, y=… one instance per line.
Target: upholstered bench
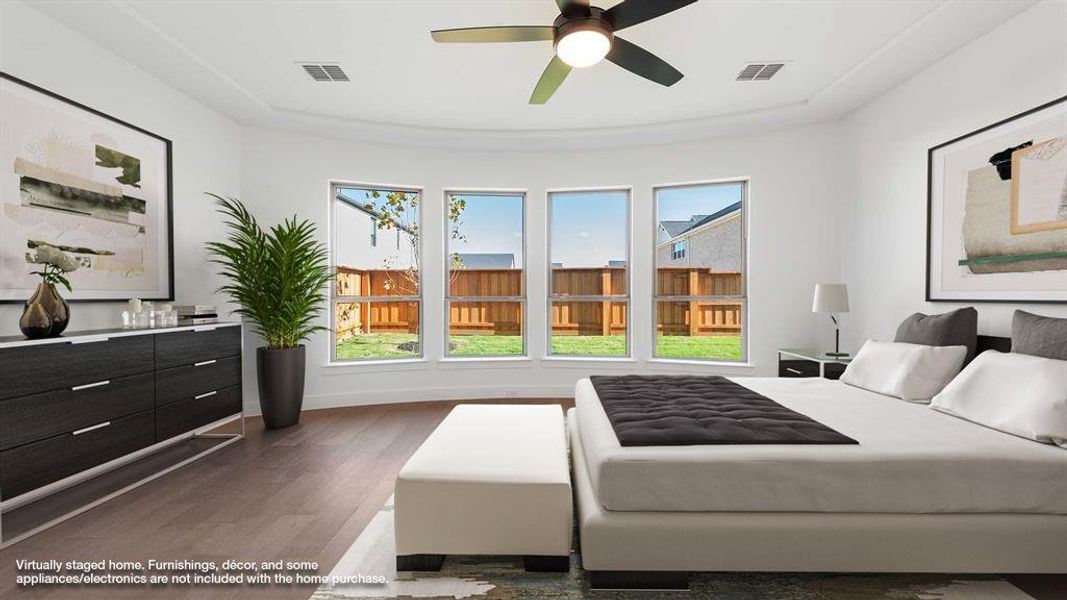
x=490, y=480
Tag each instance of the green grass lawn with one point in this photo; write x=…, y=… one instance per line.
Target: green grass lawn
x=485, y=345
x=705, y=347
x=403, y=345
x=379, y=345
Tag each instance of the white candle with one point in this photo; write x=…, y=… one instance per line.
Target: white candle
x=135, y=305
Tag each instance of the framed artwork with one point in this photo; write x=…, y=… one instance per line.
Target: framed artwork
x=86, y=184
x=997, y=211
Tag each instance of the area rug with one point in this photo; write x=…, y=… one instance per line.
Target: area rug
x=372, y=556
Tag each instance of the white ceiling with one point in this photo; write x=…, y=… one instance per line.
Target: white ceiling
x=239, y=56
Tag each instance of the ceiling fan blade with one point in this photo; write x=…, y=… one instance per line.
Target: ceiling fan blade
x=485, y=35
x=632, y=12
x=563, y=4
x=554, y=74
x=641, y=62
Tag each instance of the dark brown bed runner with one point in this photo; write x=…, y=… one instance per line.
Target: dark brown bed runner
x=689, y=410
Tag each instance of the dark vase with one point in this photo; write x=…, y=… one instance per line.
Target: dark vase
x=281, y=385
x=46, y=313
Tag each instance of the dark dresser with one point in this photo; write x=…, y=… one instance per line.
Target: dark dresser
x=74, y=403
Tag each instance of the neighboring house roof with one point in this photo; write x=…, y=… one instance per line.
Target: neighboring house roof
x=616, y=263
x=371, y=211
x=486, y=261
x=677, y=228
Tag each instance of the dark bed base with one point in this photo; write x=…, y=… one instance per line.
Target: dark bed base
x=533, y=564
x=638, y=580
x=420, y=562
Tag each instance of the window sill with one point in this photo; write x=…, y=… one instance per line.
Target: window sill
x=356, y=365
x=576, y=361
x=480, y=362
x=701, y=363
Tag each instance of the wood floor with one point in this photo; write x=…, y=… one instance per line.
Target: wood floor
x=303, y=493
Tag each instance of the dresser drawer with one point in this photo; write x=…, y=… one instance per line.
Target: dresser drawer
x=31, y=418
x=190, y=347
x=31, y=466
x=188, y=414
x=44, y=367
x=798, y=368
x=179, y=383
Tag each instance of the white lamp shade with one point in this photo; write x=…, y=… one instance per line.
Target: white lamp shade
x=830, y=298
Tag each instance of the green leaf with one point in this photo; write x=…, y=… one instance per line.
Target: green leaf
x=277, y=277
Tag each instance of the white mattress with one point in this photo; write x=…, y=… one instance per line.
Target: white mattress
x=910, y=459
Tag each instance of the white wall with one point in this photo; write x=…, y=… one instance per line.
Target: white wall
x=841, y=201
x=793, y=243
x=1020, y=65
x=206, y=145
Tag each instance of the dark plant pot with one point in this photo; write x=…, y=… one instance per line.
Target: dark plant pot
x=281, y=385
x=46, y=313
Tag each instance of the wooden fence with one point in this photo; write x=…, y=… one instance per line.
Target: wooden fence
x=569, y=317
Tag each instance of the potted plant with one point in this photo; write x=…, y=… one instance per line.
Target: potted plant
x=46, y=313
x=278, y=279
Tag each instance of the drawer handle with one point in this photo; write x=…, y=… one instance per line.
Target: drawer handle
x=201, y=329
x=204, y=395
x=205, y=363
x=90, y=385
x=794, y=371
x=91, y=428
x=89, y=340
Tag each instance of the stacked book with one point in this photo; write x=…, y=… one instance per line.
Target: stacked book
x=196, y=314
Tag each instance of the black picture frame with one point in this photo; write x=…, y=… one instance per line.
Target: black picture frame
x=930, y=297
x=169, y=187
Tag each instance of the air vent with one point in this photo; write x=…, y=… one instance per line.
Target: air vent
x=759, y=71
x=325, y=72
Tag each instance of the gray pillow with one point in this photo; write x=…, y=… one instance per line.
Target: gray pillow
x=956, y=328
x=1039, y=336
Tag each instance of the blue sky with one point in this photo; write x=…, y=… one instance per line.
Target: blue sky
x=678, y=204
x=491, y=225
x=588, y=228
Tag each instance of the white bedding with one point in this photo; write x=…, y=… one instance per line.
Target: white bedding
x=910, y=459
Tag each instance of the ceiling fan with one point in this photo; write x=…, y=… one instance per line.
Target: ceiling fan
x=582, y=35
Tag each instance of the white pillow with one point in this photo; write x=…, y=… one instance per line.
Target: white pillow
x=913, y=372
x=1014, y=393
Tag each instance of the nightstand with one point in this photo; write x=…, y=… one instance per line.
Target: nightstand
x=801, y=362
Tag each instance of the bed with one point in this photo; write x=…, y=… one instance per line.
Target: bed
x=923, y=491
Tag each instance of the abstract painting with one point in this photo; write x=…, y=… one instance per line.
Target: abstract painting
x=83, y=182
x=997, y=203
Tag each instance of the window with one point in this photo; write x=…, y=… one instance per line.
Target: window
x=589, y=261
x=486, y=274
x=678, y=250
x=700, y=304
x=377, y=296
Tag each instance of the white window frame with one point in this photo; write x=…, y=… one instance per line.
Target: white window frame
x=743, y=297
x=335, y=185
x=549, y=199
x=449, y=298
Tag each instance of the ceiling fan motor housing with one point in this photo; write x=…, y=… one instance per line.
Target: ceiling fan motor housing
x=589, y=19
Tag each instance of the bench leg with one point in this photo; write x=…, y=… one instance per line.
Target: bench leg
x=547, y=564
x=638, y=580
x=420, y=562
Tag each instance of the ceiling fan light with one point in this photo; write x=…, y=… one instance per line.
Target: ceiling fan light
x=583, y=48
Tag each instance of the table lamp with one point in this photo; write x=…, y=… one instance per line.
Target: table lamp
x=832, y=298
